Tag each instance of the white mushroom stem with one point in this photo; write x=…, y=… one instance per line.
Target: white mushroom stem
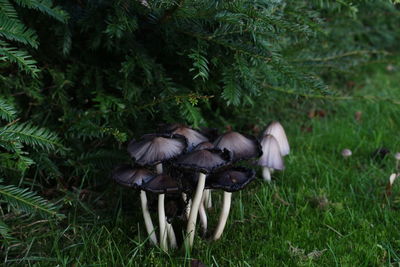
x=147, y=219
x=223, y=216
x=161, y=215
x=203, y=215
x=266, y=173
x=162, y=222
x=171, y=236
x=207, y=199
x=191, y=226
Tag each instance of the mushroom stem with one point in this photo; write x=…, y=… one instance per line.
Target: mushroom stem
x=223, y=215
x=147, y=219
x=162, y=222
x=207, y=199
x=171, y=236
x=191, y=226
x=266, y=173
x=161, y=215
x=203, y=215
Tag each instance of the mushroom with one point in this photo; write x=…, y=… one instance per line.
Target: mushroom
x=204, y=162
x=276, y=130
x=242, y=146
x=271, y=157
x=162, y=184
x=207, y=192
x=135, y=177
x=397, y=157
x=193, y=137
x=346, y=153
x=231, y=180
x=154, y=149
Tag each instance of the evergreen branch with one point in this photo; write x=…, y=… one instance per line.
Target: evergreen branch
x=31, y=135
x=7, y=9
x=13, y=29
x=45, y=7
x=242, y=49
x=177, y=98
x=347, y=54
x=330, y=97
x=5, y=233
x=20, y=57
x=28, y=202
x=7, y=111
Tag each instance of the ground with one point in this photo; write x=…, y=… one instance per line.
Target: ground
x=322, y=210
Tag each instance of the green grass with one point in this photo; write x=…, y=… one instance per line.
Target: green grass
x=275, y=225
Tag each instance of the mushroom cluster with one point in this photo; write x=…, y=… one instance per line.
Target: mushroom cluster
x=183, y=165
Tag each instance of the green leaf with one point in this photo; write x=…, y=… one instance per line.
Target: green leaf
x=46, y=7
x=14, y=30
x=28, y=201
x=22, y=58
x=30, y=135
x=231, y=92
x=7, y=111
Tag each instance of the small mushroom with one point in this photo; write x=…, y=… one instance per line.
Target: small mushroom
x=161, y=185
x=154, y=149
x=229, y=181
x=193, y=137
x=271, y=157
x=135, y=177
x=397, y=157
x=242, y=146
x=204, y=162
x=204, y=145
x=346, y=153
x=276, y=130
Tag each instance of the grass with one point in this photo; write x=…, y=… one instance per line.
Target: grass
x=323, y=210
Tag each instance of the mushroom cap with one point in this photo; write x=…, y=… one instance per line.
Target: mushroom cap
x=231, y=180
x=346, y=152
x=276, y=130
x=204, y=145
x=205, y=161
x=397, y=156
x=193, y=137
x=242, y=146
x=131, y=177
x=161, y=184
x=271, y=156
x=156, y=148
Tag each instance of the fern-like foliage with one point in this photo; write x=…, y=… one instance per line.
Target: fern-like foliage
x=20, y=57
x=31, y=135
x=14, y=158
x=7, y=111
x=46, y=7
x=27, y=201
x=14, y=30
x=5, y=233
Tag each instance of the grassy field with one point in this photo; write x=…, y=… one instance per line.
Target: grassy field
x=323, y=210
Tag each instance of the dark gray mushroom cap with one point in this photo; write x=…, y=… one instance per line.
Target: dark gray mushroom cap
x=193, y=137
x=205, y=161
x=242, y=146
x=271, y=156
x=204, y=145
x=231, y=180
x=156, y=148
x=161, y=184
x=131, y=177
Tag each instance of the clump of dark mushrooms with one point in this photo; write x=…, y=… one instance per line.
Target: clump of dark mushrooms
x=184, y=164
